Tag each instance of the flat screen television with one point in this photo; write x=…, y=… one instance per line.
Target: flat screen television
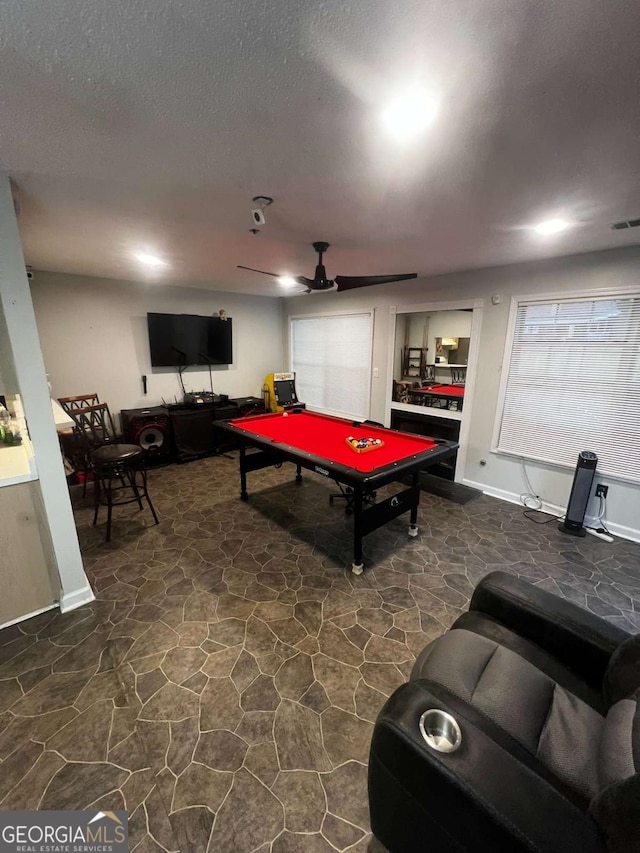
x=181, y=340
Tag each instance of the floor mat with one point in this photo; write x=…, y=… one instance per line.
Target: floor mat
x=447, y=489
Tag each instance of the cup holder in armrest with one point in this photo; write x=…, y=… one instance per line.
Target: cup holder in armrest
x=440, y=731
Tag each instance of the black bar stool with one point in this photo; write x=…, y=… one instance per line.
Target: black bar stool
x=119, y=475
x=119, y=478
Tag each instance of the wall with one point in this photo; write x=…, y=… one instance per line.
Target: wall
x=417, y=331
x=501, y=475
x=448, y=324
x=94, y=338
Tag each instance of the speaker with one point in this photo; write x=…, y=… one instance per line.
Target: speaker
x=150, y=429
x=580, y=493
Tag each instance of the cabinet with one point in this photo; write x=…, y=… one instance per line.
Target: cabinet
x=193, y=432
x=27, y=572
x=431, y=426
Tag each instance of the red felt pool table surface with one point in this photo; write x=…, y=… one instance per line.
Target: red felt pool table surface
x=325, y=436
x=449, y=390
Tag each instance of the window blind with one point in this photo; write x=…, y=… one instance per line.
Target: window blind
x=574, y=384
x=331, y=356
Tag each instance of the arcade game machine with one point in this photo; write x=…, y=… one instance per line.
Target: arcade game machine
x=279, y=392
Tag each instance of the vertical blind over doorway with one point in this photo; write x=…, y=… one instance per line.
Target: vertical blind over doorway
x=574, y=383
x=331, y=357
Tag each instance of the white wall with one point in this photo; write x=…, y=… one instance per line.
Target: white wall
x=94, y=338
x=418, y=328
x=501, y=475
x=448, y=324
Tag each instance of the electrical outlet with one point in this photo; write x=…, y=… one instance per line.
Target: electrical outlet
x=601, y=490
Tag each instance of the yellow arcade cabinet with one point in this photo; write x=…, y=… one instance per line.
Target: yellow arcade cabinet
x=279, y=392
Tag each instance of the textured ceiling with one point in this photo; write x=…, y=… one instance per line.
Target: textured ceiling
x=149, y=123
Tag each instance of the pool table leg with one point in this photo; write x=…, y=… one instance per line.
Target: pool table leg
x=298, y=473
x=244, y=494
x=357, y=566
x=413, y=518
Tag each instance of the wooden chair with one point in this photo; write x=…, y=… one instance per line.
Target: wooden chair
x=399, y=391
x=73, y=447
x=119, y=475
x=429, y=376
x=71, y=404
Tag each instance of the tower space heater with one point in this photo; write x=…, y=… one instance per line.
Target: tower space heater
x=580, y=494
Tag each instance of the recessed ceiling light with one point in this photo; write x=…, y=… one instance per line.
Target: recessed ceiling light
x=287, y=281
x=551, y=226
x=408, y=116
x=149, y=260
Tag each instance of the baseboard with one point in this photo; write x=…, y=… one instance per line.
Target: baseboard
x=28, y=615
x=72, y=600
x=511, y=497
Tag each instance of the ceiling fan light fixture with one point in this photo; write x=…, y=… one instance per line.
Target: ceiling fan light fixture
x=287, y=281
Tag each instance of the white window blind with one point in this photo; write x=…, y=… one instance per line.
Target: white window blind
x=331, y=357
x=574, y=384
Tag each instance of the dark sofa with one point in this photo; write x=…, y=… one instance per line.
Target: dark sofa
x=546, y=700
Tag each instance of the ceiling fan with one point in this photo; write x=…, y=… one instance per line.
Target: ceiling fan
x=341, y=282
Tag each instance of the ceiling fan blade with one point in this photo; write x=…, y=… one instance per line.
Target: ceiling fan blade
x=302, y=279
x=349, y=282
x=264, y=272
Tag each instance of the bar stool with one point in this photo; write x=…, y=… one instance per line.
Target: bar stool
x=458, y=375
x=119, y=478
x=80, y=401
x=73, y=445
x=119, y=475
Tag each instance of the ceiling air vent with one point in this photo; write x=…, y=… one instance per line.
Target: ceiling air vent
x=626, y=223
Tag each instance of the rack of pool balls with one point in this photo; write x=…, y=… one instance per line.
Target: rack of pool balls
x=364, y=445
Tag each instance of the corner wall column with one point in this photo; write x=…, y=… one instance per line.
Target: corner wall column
x=16, y=304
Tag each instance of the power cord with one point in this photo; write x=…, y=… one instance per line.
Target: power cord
x=181, y=370
x=529, y=499
x=527, y=514
x=602, y=529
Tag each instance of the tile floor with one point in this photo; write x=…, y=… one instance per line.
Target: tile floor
x=223, y=685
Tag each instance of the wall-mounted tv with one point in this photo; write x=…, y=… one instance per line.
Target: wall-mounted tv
x=181, y=340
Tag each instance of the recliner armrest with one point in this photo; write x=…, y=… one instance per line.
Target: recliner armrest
x=482, y=796
x=579, y=639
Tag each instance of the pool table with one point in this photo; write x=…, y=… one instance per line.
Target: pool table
x=319, y=442
x=448, y=393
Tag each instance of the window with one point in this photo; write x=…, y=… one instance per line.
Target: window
x=331, y=357
x=573, y=383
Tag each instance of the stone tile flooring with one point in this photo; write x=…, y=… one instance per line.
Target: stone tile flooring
x=223, y=685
